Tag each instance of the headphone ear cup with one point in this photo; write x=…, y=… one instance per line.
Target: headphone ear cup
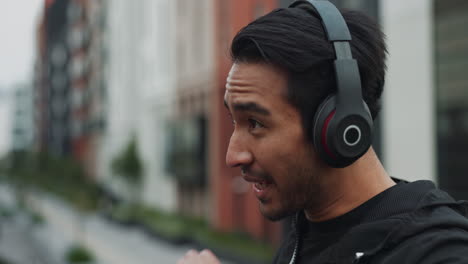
x=329, y=134
x=322, y=119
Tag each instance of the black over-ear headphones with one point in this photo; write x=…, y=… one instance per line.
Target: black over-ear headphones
x=342, y=128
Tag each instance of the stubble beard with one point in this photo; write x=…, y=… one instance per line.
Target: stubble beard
x=298, y=195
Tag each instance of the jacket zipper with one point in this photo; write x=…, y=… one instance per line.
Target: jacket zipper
x=296, y=244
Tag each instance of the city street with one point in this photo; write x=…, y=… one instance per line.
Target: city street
x=110, y=243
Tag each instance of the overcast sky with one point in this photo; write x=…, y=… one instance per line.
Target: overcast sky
x=18, y=20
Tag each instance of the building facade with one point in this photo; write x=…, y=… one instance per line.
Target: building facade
x=68, y=80
x=51, y=82
x=141, y=91
x=86, y=32
x=194, y=66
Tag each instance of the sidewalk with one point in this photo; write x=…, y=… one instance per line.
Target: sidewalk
x=18, y=243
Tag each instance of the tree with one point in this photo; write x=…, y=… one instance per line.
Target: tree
x=128, y=165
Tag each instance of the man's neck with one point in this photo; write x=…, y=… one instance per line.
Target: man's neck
x=350, y=187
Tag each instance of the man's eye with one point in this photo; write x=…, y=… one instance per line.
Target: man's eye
x=255, y=124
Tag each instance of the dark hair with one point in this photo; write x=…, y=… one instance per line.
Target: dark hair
x=294, y=40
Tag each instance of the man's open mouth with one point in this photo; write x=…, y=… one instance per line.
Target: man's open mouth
x=261, y=185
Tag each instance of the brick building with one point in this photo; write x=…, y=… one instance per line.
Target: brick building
x=235, y=206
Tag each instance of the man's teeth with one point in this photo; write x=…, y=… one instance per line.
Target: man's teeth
x=261, y=185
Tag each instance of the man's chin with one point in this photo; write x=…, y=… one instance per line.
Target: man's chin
x=274, y=215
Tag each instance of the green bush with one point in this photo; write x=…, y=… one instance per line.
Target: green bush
x=128, y=164
x=124, y=212
x=236, y=243
x=37, y=218
x=62, y=176
x=6, y=212
x=78, y=254
x=178, y=227
x=2, y=261
x=166, y=225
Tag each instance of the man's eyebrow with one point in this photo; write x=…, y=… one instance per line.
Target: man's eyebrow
x=250, y=107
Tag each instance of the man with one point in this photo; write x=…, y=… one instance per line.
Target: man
x=347, y=209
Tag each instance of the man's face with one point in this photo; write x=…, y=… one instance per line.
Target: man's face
x=268, y=142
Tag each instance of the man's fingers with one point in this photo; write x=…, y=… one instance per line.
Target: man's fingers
x=191, y=253
x=204, y=257
x=188, y=257
x=209, y=257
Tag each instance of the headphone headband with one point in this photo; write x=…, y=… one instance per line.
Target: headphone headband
x=333, y=22
x=348, y=81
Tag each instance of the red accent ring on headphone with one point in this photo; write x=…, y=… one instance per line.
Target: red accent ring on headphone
x=324, y=135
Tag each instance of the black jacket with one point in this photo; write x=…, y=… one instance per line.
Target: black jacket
x=414, y=223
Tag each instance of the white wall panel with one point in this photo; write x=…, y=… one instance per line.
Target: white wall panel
x=408, y=106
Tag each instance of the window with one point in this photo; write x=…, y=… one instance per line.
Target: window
x=451, y=62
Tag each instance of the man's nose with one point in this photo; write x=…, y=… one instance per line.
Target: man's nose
x=237, y=154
